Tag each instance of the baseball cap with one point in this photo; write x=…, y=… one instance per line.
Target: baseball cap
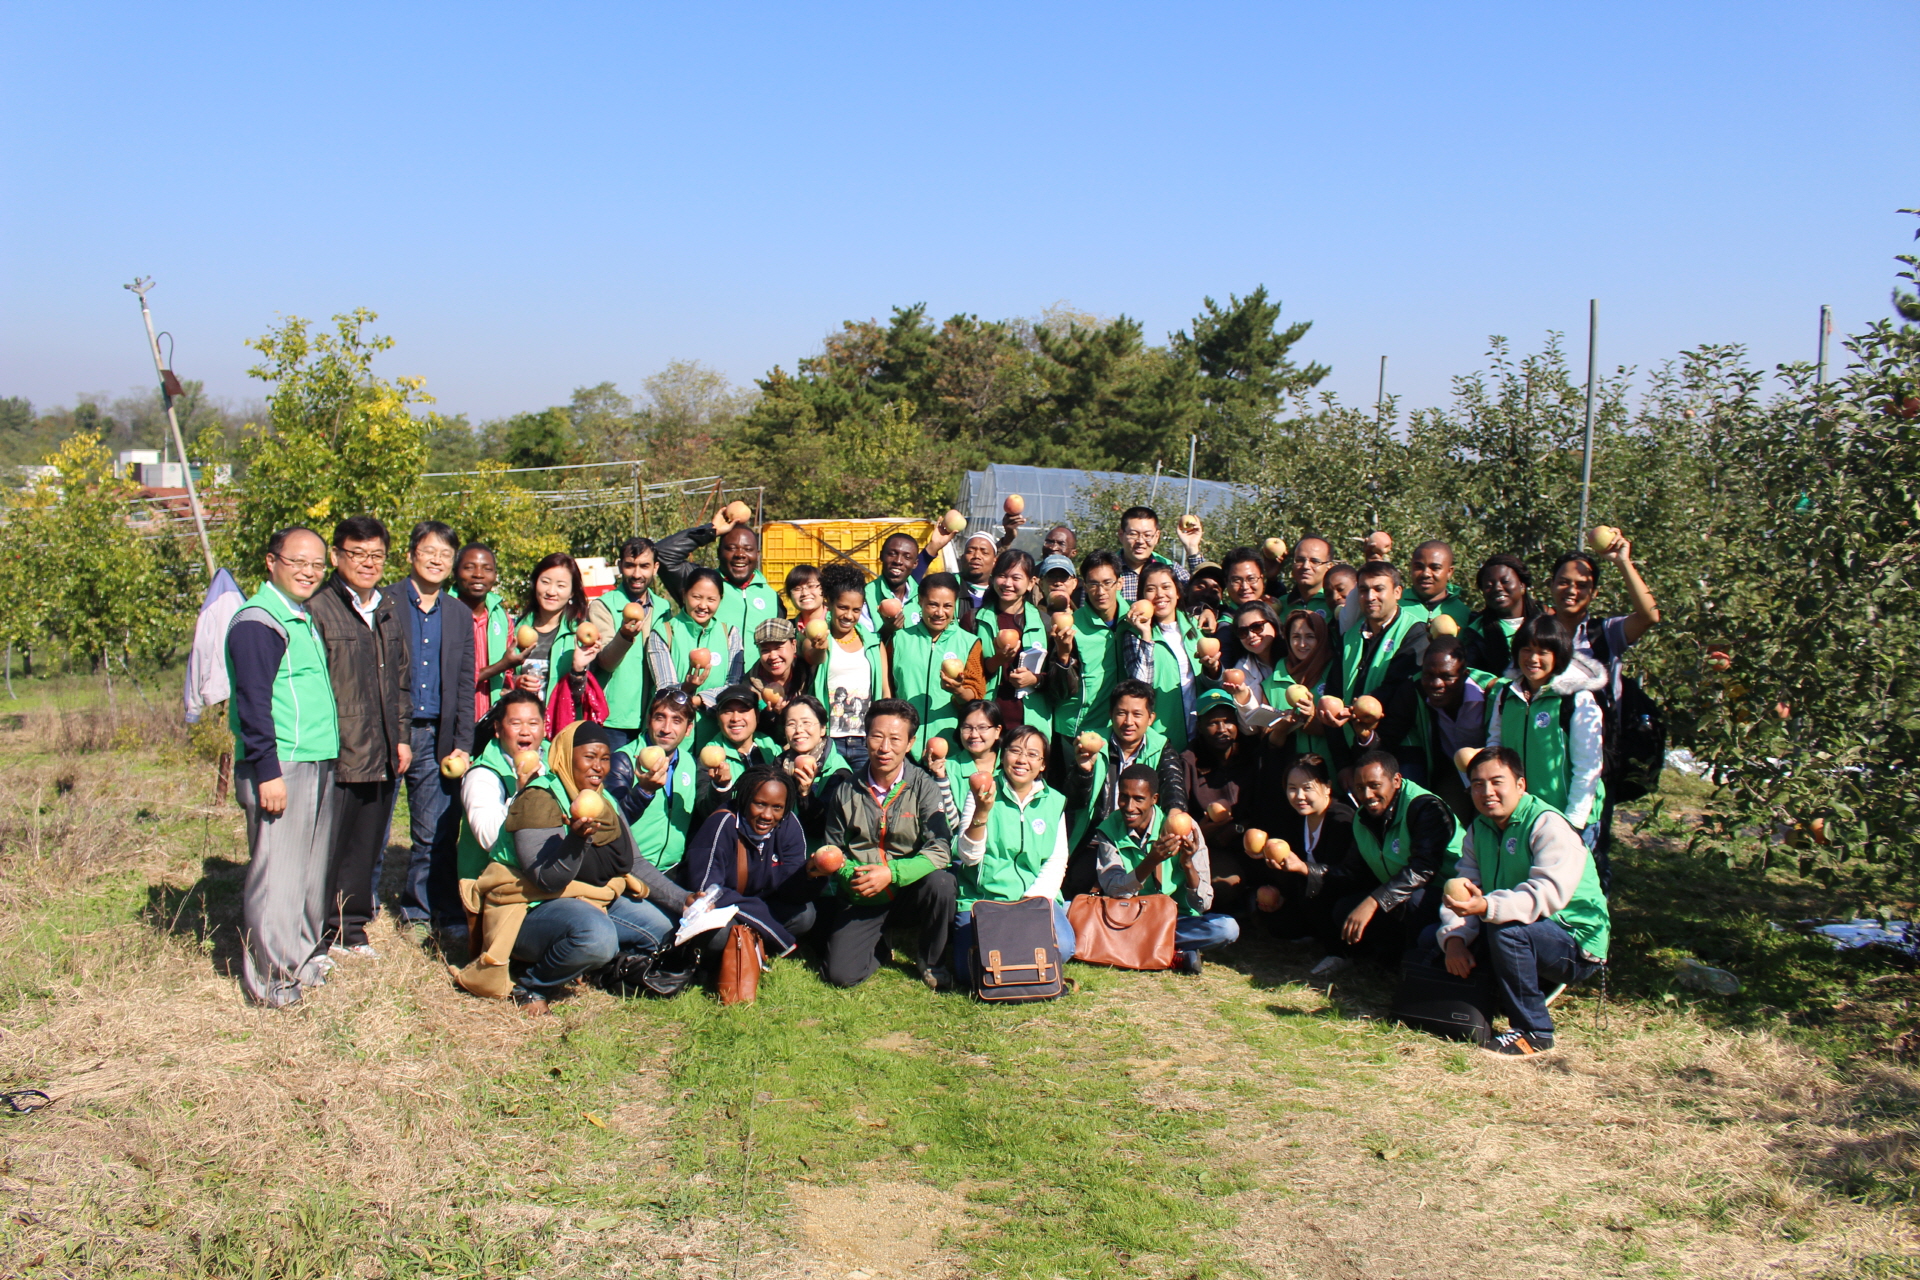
x=1211, y=700
x=737, y=693
x=1057, y=564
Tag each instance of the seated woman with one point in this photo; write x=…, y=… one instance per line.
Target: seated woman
x=754, y=855
x=1012, y=843
x=979, y=734
x=812, y=762
x=515, y=750
x=584, y=894
x=1318, y=833
x=1134, y=856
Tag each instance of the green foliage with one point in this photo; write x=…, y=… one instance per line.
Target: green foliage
x=340, y=440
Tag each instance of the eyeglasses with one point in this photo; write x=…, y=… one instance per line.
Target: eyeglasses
x=303, y=566
x=432, y=555
x=361, y=556
x=1247, y=628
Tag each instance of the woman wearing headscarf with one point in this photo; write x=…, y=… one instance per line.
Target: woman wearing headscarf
x=753, y=856
x=578, y=894
x=1307, y=642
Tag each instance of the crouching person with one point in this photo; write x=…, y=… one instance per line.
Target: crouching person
x=1527, y=902
x=1012, y=843
x=1133, y=855
x=753, y=855
x=889, y=820
x=586, y=894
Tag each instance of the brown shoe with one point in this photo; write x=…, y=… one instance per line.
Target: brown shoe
x=532, y=1006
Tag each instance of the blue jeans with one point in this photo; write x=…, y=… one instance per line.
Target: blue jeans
x=432, y=891
x=855, y=751
x=1204, y=933
x=1527, y=957
x=963, y=940
x=566, y=937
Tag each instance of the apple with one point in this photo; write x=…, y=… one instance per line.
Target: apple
x=1179, y=824
x=829, y=859
x=635, y=612
x=1091, y=743
x=1601, y=537
x=1232, y=677
x=1009, y=641
x=455, y=765
x=526, y=637
x=891, y=609
x=1460, y=889
x=1276, y=549
x=936, y=748
x=526, y=763
x=651, y=758
x=1464, y=757
x=1015, y=504
x=1208, y=647
x=737, y=512
x=1367, y=709
x=1254, y=842
x=701, y=658
x=1442, y=624
x=953, y=521
x=1142, y=612
x=1267, y=898
x=1189, y=523
x=1300, y=698
x=713, y=755
x=817, y=630
x=586, y=635
x=1818, y=827
x=952, y=668
x=1719, y=660
x=1330, y=705
x=589, y=803
x=1217, y=812
x=1059, y=603
x=1277, y=850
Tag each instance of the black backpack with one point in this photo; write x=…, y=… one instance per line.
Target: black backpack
x=1015, y=957
x=1633, y=731
x=1433, y=1000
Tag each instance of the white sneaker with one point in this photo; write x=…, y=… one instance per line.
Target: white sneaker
x=362, y=949
x=1331, y=966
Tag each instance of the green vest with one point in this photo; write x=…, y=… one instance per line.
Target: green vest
x=472, y=858
x=1134, y=849
x=1453, y=605
x=876, y=657
x=631, y=684
x=1275, y=691
x=684, y=635
x=917, y=655
x=1099, y=652
x=877, y=591
x=1036, y=707
x=1353, y=644
x=305, y=726
x=1018, y=844
x=1538, y=731
x=661, y=834
x=1152, y=744
x=499, y=632
x=1506, y=861
x=960, y=767
x=1169, y=703
x=1315, y=603
x=1388, y=854
x=743, y=609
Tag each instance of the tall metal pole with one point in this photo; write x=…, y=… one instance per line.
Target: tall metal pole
x=1586, y=464
x=1826, y=327
x=1193, y=451
x=139, y=289
x=1380, y=396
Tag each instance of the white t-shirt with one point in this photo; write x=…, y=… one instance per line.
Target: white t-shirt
x=849, y=690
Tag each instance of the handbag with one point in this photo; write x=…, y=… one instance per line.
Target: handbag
x=1431, y=999
x=1016, y=957
x=744, y=955
x=1124, y=933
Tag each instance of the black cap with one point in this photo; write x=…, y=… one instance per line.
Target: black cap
x=738, y=693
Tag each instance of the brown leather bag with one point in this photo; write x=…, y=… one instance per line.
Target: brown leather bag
x=1124, y=933
x=744, y=955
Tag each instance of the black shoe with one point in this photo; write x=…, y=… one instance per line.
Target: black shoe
x=1520, y=1044
x=1189, y=962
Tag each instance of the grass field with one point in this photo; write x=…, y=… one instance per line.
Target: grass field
x=1238, y=1124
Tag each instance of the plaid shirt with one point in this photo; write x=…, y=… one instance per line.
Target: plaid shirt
x=1130, y=578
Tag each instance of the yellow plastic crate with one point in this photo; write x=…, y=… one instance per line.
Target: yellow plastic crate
x=785, y=544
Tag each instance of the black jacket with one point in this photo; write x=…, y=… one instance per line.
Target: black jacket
x=1430, y=826
x=368, y=668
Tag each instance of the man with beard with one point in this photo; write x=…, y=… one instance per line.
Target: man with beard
x=1230, y=779
x=1435, y=717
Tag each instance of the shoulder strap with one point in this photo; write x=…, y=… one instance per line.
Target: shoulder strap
x=739, y=864
x=1566, y=714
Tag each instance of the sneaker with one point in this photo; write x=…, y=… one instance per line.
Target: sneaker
x=1520, y=1044
x=1330, y=967
x=1189, y=962
x=362, y=949
x=939, y=977
x=530, y=1004
x=325, y=965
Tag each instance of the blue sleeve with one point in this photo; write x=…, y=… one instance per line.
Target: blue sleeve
x=256, y=650
x=701, y=868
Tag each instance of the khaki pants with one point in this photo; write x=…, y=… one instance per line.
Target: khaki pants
x=284, y=902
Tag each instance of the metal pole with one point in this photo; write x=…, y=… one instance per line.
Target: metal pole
x=1154, y=492
x=1826, y=327
x=1586, y=462
x=1193, y=452
x=1380, y=396
x=636, y=499
x=139, y=290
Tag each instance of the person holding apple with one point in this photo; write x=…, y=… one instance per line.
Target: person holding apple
x=1310, y=840
x=809, y=758
x=635, y=608
x=553, y=648
x=1507, y=589
x=1028, y=667
x=889, y=824
x=935, y=665
x=977, y=555
x=897, y=581
x=1011, y=842
x=777, y=675
x=1092, y=784
x=1545, y=708
x=746, y=600
x=1136, y=853
x=739, y=748
x=286, y=738
x=1160, y=646
x=1526, y=900
x=849, y=663
x=1435, y=718
x=1307, y=652
x=752, y=855
x=1139, y=543
x=696, y=650
x=978, y=737
x=656, y=781
x=1095, y=657
x=514, y=753
x=804, y=594
x=1378, y=648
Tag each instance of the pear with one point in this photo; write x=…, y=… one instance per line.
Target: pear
x=589, y=804
x=953, y=521
x=1300, y=698
x=651, y=758
x=455, y=765
x=713, y=755
x=526, y=637
x=586, y=635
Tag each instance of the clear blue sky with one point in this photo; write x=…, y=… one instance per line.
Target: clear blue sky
x=539, y=197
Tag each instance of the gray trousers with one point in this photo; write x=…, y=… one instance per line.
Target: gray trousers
x=284, y=902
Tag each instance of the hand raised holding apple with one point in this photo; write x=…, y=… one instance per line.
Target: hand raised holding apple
x=825, y=861
x=982, y=786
